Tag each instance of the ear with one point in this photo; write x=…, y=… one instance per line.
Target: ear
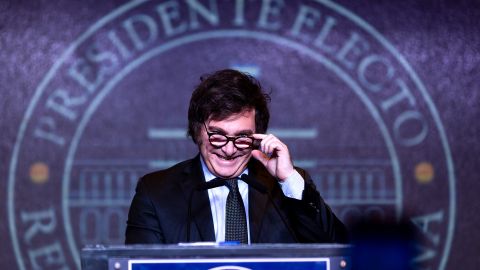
x=196, y=136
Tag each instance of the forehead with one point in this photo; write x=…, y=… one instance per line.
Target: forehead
x=235, y=123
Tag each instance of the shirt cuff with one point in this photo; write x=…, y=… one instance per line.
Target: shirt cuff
x=293, y=186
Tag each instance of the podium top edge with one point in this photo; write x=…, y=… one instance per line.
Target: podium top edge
x=215, y=246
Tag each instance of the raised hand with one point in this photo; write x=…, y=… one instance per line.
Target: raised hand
x=274, y=155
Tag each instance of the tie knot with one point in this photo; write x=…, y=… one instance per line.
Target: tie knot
x=232, y=184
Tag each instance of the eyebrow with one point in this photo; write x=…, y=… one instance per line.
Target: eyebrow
x=220, y=130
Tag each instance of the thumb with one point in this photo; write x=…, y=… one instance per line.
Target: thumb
x=260, y=156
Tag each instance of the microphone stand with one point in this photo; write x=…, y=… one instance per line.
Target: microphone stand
x=262, y=189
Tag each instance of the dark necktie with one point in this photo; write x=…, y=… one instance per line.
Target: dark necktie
x=236, y=221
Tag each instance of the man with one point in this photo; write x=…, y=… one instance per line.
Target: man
x=228, y=116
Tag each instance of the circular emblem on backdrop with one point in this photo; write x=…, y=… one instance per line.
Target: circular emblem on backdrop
x=113, y=107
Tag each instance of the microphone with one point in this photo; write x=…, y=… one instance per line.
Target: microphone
x=262, y=189
x=254, y=183
x=217, y=182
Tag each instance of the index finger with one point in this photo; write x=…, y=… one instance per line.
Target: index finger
x=259, y=136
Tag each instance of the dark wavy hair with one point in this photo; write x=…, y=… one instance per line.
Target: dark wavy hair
x=224, y=93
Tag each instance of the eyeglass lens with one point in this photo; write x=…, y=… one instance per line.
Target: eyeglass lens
x=219, y=140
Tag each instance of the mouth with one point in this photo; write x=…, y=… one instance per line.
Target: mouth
x=227, y=158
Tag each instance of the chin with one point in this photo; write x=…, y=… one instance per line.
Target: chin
x=228, y=172
x=229, y=168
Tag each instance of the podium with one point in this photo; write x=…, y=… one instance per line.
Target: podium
x=217, y=257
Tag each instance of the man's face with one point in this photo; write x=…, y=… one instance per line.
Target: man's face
x=227, y=161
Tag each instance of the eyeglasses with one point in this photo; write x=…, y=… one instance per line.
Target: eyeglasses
x=218, y=140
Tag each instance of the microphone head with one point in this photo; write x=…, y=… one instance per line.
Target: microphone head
x=217, y=182
x=254, y=183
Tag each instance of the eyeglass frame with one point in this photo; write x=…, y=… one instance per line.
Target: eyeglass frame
x=229, y=138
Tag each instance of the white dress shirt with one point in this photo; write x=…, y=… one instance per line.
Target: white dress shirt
x=292, y=187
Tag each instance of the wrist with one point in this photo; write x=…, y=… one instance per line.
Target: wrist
x=293, y=185
x=287, y=175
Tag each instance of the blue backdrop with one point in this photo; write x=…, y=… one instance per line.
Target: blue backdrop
x=378, y=100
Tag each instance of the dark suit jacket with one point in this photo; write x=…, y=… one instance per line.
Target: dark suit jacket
x=158, y=213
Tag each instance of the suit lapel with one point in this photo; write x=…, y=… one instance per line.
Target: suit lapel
x=201, y=211
x=257, y=204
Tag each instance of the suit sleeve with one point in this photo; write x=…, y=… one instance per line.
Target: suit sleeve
x=312, y=219
x=142, y=224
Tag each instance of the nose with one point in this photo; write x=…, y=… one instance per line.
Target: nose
x=229, y=148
